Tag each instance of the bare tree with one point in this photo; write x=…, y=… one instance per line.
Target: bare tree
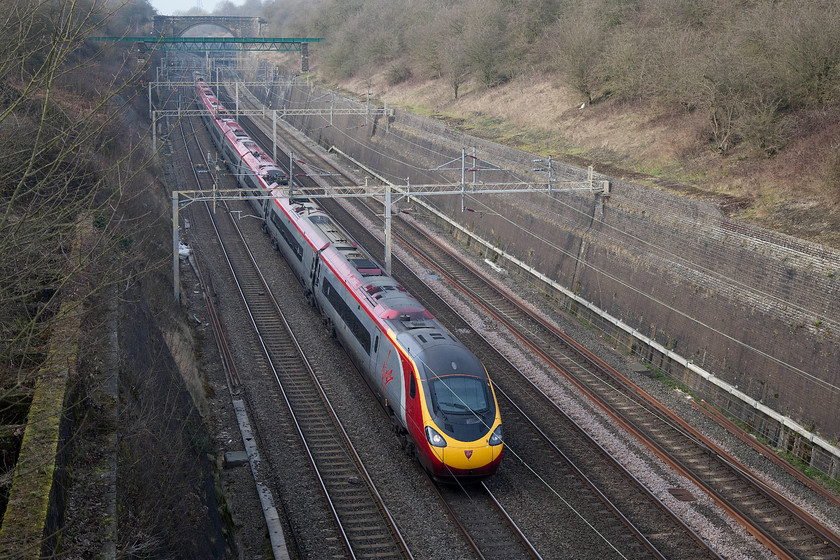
x=66, y=167
x=52, y=171
x=578, y=47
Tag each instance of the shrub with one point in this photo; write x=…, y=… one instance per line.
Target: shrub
x=397, y=74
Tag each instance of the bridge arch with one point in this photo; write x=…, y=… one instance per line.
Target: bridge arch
x=238, y=26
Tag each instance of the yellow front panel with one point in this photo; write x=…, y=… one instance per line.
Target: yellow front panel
x=479, y=456
x=471, y=455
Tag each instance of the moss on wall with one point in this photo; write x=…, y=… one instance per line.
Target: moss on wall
x=23, y=528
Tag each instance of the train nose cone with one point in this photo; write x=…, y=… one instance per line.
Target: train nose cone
x=468, y=457
x=471, y=460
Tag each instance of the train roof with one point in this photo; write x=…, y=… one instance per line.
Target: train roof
x=385, y=298
x=439, y=353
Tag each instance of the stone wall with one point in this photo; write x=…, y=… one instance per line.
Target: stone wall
x=756, y=308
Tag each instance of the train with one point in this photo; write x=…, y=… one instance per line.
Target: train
x=437, y=393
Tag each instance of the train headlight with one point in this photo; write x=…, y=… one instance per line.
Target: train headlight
x=434, y=438
x=496, y=436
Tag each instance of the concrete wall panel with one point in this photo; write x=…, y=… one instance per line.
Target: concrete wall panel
x=759, y=309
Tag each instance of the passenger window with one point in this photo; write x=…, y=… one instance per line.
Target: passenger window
x=376, y=345
x=412, y=388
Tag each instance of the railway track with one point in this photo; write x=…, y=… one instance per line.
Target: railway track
x=490, y=530
x=781, y=526
x=363, y=526
x=559, y=470
x=598, y=514
x=492, y=535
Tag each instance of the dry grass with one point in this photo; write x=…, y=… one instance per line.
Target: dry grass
x=796, y=191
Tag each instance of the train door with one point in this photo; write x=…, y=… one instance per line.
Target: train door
x=413, y=408
x=258, y=203
x=316, y=269
x=386, y=372
x=266, y=216
x=375, y=358
x=315, y=281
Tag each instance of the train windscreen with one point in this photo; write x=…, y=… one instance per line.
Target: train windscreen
x=460, y=394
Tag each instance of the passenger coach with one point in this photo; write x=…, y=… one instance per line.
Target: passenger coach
x=437, y=393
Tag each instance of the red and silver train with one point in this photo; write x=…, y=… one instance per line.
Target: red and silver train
x=437, y=392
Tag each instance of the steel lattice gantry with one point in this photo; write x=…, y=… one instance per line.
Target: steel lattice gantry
x=222, y=44
x=386, y=190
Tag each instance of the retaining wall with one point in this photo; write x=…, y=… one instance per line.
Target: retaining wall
x=37, y=496
x=758, y=309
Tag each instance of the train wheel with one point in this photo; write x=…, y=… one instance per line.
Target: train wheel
x=330, y=326
x=395, y=426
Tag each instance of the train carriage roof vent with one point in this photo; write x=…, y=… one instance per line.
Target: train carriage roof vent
x=412, y=321
x=437, y=336
x=373, y=290
x=366, y=267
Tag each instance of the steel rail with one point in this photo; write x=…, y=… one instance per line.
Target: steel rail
x=765, y=450
x=340, y=514
x=276, y=534
x=232, y=376
x=640, y=537
x=773, y=542
x=522, y=538
x=491, y=537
